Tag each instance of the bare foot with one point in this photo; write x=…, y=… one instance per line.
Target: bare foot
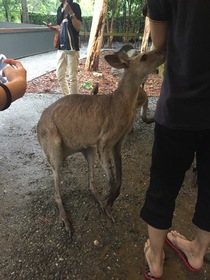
x=155, y=266
x=189, y=248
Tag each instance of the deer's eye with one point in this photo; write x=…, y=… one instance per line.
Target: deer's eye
x=143, y=57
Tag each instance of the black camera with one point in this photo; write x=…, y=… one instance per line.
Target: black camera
x=2, y=65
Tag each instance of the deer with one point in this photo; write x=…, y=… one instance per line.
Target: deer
x=92, y=124
x=142, y=99
x=142, y=102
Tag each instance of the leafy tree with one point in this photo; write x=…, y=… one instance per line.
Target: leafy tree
x=5, y=4
x=8, y=9
x=125, y=16
x=43, y=6
x=112, y=8
x=11, y=10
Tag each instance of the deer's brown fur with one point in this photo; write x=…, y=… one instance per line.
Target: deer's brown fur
x=95, y=123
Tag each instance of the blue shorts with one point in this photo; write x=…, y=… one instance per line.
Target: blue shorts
x=172, y=155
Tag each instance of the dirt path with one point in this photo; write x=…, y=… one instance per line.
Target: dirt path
x=33, y=243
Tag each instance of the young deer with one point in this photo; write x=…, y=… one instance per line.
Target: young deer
x=142, y=98
x=95, y=123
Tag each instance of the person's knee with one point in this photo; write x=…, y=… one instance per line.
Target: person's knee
x=60, y=76
x=73, y=79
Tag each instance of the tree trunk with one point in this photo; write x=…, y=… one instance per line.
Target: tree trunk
x=114, y=8
x=96, y=35
x=124, y=20
x=25, y=17
x=6, y=8
x=145, y=40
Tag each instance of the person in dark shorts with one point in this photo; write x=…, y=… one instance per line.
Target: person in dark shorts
x=182, y=131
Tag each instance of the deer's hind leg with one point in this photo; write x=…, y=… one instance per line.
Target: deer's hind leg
x=114, y=190
x=56, y=154
x=142, y=101
x=89, y=155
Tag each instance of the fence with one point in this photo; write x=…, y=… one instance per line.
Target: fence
x=21, y=40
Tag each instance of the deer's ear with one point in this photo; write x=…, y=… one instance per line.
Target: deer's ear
x=117, y=60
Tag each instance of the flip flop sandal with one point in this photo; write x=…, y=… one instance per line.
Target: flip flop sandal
x=147, y=274
x=182, y=256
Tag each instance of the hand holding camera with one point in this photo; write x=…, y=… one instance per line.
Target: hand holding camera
x=67, y=6
x=11, y=70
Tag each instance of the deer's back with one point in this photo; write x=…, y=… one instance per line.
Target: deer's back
x=80, y=120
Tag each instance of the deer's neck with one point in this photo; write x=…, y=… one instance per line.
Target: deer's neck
x=128, y=86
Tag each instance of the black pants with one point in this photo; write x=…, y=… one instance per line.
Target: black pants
x=172, y=155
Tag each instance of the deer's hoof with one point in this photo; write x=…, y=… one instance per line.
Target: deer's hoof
x=109, y=214
x=68, y=227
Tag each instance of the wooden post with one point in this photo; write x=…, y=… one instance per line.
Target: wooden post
x=145, y=40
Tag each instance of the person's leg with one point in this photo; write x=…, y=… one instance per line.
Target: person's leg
x=61, y=71
x=195, y=249
x=153, y=250
x=202, y=210
x=172, y=156
x=73, y=62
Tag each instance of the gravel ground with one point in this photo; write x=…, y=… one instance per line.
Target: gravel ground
x=33, y=243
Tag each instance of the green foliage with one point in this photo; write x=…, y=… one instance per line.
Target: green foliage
x=10, y=10
x=87, y=85
x=36, y=18
x=128, y=14
x=136, y=24
x=43, y=6
x=133, y=7
x=86, y=23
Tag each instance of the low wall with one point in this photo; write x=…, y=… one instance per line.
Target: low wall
x=21, y=40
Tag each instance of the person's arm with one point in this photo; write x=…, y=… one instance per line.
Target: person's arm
x=54, y=28
x=75, y=21
x=159, y=34
x=159, y=13
x=16, y=84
